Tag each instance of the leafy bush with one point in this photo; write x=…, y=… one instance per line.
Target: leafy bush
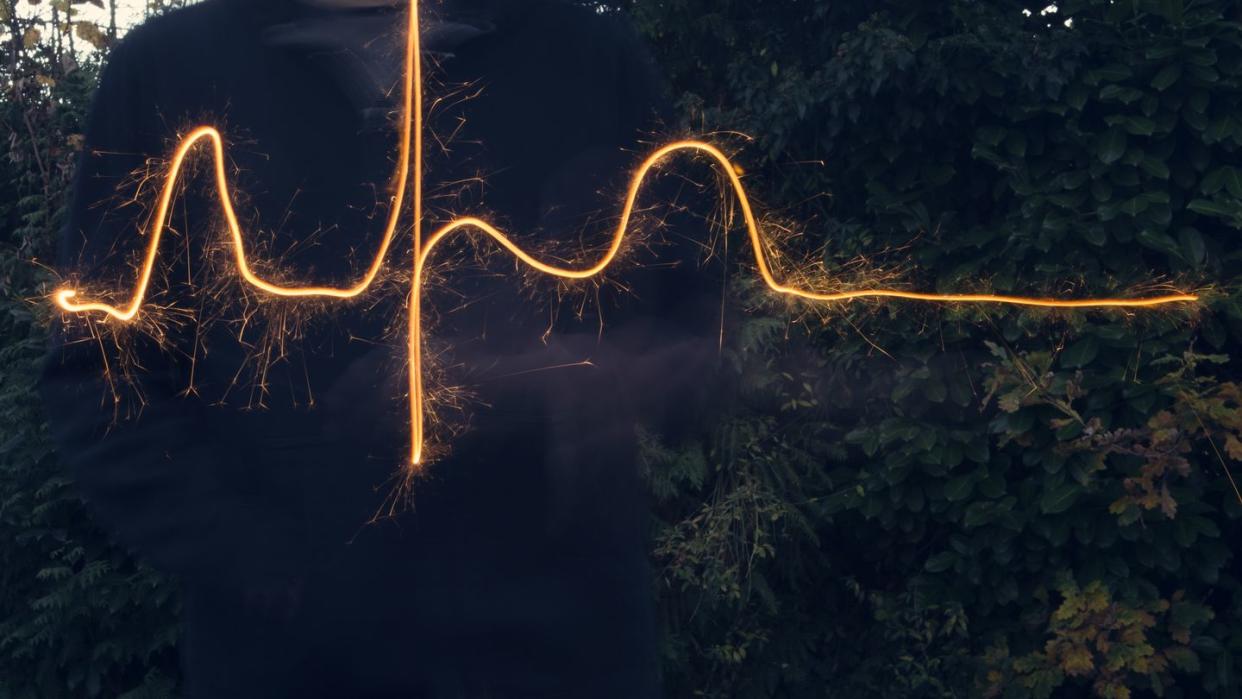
x=961, y=501
x=901, y=500
x=78, y=618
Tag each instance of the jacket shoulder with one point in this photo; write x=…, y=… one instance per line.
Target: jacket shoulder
x=580, y=21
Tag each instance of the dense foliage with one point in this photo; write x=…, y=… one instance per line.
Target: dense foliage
x=903, y=500
x=78, y=618
x=935, y=501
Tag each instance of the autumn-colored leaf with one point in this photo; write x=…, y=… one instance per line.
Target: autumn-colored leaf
x=92, y=34
x=1233, y=447
x=31, y=38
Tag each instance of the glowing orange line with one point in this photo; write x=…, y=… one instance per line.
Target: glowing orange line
x=411, y=148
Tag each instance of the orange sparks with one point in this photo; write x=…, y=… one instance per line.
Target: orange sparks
x=409, y=172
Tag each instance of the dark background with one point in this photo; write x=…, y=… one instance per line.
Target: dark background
x=900, y=500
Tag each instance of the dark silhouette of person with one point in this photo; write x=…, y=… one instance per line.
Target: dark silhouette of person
x=253, y=452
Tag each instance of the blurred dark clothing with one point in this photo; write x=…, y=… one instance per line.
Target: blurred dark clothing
x=519, y=568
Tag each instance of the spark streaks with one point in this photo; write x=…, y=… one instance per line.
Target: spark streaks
x=408, y=176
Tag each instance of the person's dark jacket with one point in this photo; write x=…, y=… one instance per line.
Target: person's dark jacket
x=252, y=452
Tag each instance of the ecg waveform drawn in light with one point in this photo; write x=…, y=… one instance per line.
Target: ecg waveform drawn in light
x=409, y=174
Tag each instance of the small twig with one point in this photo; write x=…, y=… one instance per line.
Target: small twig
x=1219, y=456
x=34, y=148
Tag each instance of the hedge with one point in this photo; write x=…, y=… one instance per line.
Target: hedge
x=899, y=499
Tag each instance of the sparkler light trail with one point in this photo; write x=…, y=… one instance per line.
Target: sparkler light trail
x=409, y=172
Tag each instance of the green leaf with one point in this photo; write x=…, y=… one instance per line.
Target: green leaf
x=1076, y=96
x=992, y=487
x=990, y=135
x=1193, y=247
x=1112, y=146
x=940, y=562
x=1190, y=614
x=1206, y=645
x=1159, y=241
x=1120, y=93
x=1233, y=181
x=978, y=514
x=1208, y=207
x=1113, y=73
x=1205, y=526
x=959, y=488
x=1096, y=235
x=1213, y=181
x=1136, y=205
x=1183, y=659
x=1219, y=130
x=1081, y=353
x=1059, y=499
x=1139, y=126
x=1155, y=167
x=1068, y=432
x=1166, y=77
x=1162, y=53
x=1101, y=190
